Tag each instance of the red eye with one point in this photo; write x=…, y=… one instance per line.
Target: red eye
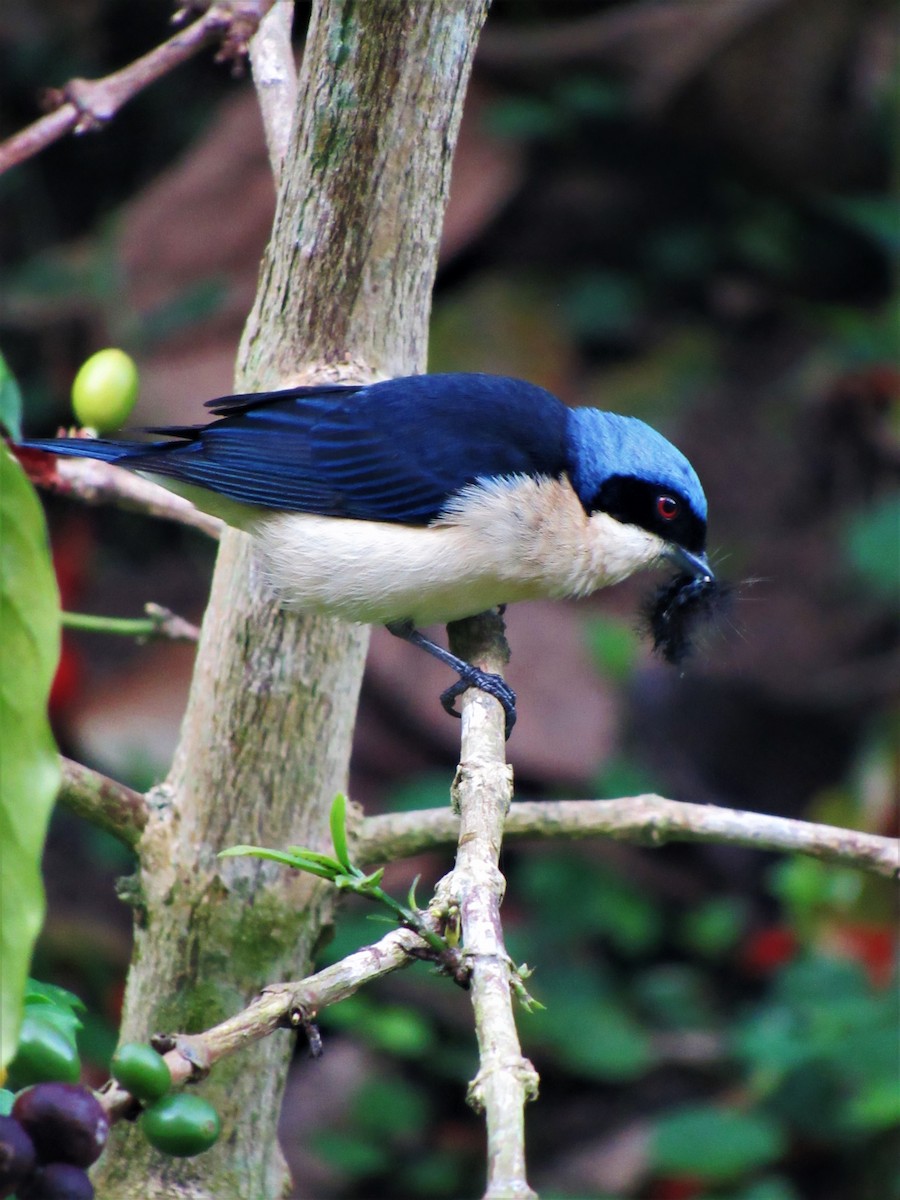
x=667, y=507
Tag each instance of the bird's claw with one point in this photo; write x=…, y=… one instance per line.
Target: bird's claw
x=493, y=685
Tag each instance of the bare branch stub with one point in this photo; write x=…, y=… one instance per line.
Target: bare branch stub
x=104, y=803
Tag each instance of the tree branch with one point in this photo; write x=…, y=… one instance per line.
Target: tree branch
x=275, y=79
x=83, y=105
x=97, y=482
x=105, y=803
x=267, y=732
x=482, y=792
x=159, y=622
x=650, y=820
x=279, y=1006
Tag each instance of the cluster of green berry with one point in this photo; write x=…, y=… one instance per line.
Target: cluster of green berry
x=177, y=1123
x=52, y=1128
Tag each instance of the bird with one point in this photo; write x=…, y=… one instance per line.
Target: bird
x=428, y=498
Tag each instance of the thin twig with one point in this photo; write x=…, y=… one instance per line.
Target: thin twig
x=275, y=78
x=650, y=820
x=87, y=104
x=280, y=1006
x=105, y=803
x=482, y=792
x=159, y=623
x=97, y=482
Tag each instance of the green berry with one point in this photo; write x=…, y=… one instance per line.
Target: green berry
x=181, y=1125
x=141, y=1071
x=105, y=390
x=44, y=1055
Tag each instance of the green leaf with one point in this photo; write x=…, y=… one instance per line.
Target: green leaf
x=588, y=96
x=610, y=1045
x=715, y=926
x=280, y=856
x=425, y=791
x=596, y=902
x=351, y=1154
x=873, y=216
x=10, y=402
x=872, y=545
x=50, y=993
x=523, y=118
x=877, y=1107
x=602, y=304
x=63, y=1019
x=674, y=996
x=397, y=1029
x=771, y=1187
x=295, y=857
x=29, y=781
x=714, y=1143
x=614, y=647
x=373, y=880
x=389, y=1108
x=338, y=821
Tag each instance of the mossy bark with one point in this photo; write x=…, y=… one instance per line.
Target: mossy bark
x=344, y=293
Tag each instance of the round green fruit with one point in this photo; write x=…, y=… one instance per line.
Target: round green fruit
x=44, y=1055
x=141, y=1071
x=105, y=389
x=181, y=1125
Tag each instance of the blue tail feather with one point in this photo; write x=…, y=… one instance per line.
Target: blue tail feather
x=106, y=451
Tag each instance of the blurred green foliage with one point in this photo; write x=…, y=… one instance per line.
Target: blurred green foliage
x=715, y=1143
x=872, y=546
x=802, y=1059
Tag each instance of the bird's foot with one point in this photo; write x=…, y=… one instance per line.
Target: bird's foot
x=469, y=676
x=493, y=685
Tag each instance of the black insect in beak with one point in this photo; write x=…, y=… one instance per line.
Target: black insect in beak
x=675, y=609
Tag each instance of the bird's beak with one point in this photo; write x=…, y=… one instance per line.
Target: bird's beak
x=695, y=564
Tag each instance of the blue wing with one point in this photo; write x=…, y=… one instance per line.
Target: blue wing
x=391, y=451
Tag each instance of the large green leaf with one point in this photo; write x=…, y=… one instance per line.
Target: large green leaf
x=714, y=1143
x=10, y=401
x=29, y=764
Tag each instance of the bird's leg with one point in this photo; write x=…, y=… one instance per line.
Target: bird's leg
x=469, y=675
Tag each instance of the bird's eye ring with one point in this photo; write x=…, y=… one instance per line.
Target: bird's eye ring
x=667, y=507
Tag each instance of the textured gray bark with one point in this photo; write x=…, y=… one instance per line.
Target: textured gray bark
x=344, y=293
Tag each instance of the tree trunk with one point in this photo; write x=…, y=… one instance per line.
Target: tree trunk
x=344, y=294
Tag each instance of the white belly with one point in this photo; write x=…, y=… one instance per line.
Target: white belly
x=503, y=542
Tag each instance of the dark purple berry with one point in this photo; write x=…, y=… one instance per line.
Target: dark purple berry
x=58, y=1181
x=17, y=1157
x=65, y=1121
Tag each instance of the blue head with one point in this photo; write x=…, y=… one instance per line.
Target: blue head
x=622, y=467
